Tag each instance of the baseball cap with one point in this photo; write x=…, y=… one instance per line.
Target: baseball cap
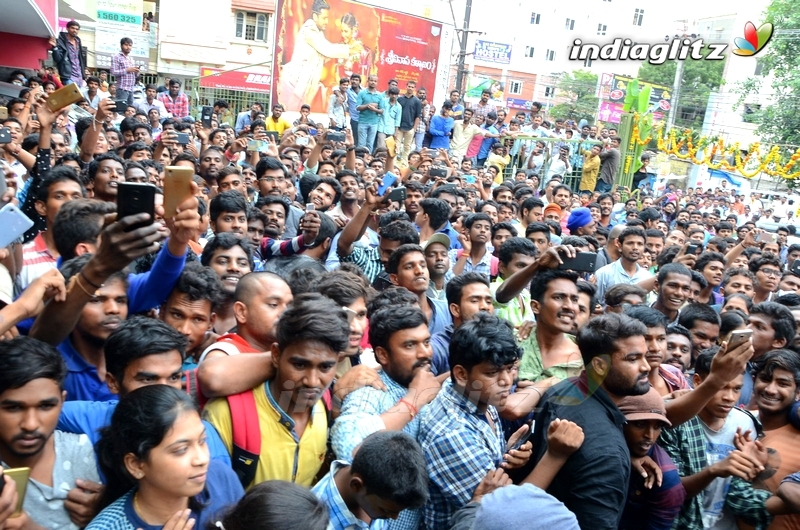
x=649, y=406
x=438, y=238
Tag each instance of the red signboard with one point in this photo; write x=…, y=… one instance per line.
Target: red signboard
x=313, y=51
x=235, y=80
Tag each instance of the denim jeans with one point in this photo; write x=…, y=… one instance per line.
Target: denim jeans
x=602, y=187
x=418, y=138
x=366, y=135
x=125, y=95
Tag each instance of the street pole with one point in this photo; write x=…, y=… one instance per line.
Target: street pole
x=676, y=89
x=462, y=54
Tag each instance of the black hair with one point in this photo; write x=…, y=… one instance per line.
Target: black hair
x=225, y=241
x=632, y=231
x=54, y=176
x=438, y=212
x=140, y=422
x=135, y=147
x=327, y=230
x=699, y=279
x=588, y=289
x=720, y=243
x=788, y=300
x=276, y=504
x=504, y=226
x=651, y=318
x=748, y=302
x=390, y=217
x=554, y=225
x=269, y=162
x=672, y=268
x=738, y=271
x=693, y=312
x=575, y=241
x=271, y=199
x=765, y=259
x=515, y=245
x=783, y=322
x=78, y=221
x=313, y=317
x=139, y=337
x=392, y=467
x=393, y=264
x=484, y=338
x=94, y=165
x=198, y=282
x=677, y=329
x=400, y=231
x=475, y=217
x=333, y=183
x=230, y=201
x=655, y=232
x=23, y=359
x=342, y=287
x=393, y=297
x=781, y=359
x=388, y=320
x=455, y=286
x=538, y=227
x=730, y=320
x=702, y=364
x=649, y=214
x=541, y=281
x=615, y=294
x=599, y=335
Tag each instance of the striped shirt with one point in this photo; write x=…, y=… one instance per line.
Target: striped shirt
x=368, y=259
x=36, y=260
x=119, y=66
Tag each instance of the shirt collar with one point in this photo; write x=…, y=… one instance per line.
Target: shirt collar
x=75, y=363
x=283, y=418
x=452, y=395
x=591, y=389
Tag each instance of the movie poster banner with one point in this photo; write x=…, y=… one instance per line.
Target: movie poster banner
x=314, y=50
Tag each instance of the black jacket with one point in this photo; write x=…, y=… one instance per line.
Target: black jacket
x=61, y=57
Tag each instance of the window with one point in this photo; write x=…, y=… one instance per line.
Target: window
x=588, y=62
x=535, y=18
x=549, y=91
x=528, y=51
x=751, y=110
x=515, y=87
x=549, y=55
x=638, y=15
x=570, y=24
x=251, y=26
x=601, y=29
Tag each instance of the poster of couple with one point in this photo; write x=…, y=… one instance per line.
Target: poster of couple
x=319, y=42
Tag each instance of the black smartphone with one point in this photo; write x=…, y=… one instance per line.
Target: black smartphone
x=205, y=116
x=397, y=195
x=582, y=262
x=273, y=135
x=795, y=268
x=135, y=198
x=693, y=249
x=335, y=136
x=5, y=135
x=437, y=172
x=183, y=138
x=524, y=438
x=121, y=106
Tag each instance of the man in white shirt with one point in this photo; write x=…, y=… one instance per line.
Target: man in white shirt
x=560, y=165
x=151, y=102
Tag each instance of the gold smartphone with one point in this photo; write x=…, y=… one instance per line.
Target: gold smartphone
x=177, y=188
x=3, y=113
x=20, y=476
x=64, y=96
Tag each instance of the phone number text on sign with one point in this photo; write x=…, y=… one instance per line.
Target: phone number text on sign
x=119, y=17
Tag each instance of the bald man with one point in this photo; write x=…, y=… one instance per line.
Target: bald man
x=610, y=252
x=259, y=301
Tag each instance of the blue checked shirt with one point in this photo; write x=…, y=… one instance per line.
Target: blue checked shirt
x=341, y=518
x=460, y=448
x=360, y=417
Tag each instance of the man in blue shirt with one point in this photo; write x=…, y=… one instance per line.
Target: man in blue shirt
x=140, y=352
x=352, y=103
x=490, y=137
x=371, y=104
x=244, y=119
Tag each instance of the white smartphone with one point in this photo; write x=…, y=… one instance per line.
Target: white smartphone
x=737, y=337
x=14, y=223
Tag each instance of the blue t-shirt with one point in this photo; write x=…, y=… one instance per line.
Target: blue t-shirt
x=88, y=417
x=222, y=490
x=82, y=382
x=487, y=144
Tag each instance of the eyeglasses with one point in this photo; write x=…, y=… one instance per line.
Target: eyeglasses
x=273, y=179
x=771, y=272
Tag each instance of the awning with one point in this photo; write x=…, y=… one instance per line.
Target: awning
x=246, y=81
x=66, y=11
x=34, y=18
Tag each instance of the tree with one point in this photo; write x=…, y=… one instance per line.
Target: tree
x=779, y=122
x=580, y=87
x=700, y=78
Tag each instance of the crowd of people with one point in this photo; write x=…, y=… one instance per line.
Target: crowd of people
x=413, y=324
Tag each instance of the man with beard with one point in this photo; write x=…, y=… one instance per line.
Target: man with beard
x=401, y=341
x=408, y=268
x=291, y=417
x=673, y=285
x=273, y=181
x=593, y=481
x=62, y=465
x=348, y=201
x=258, y=301
x=606, y=202
x=211, y=162
x=631, y=245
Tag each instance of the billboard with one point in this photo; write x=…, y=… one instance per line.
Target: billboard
x=613, y=98
x=492, y=52
x=243, y=80
x=314, y=50
x=478, y=83
x=116, y=19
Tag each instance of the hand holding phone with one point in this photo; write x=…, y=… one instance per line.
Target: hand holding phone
x=739, y=337
x=387, y=182
x=134, y=198
x=177, y=188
